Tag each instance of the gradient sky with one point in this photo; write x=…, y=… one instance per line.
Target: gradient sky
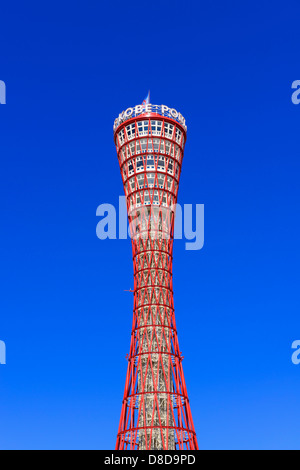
x=70, y=69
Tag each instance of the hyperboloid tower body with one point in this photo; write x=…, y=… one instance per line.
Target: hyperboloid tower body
x=156, y=412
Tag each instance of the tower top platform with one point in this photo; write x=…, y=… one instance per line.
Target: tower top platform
x=149, y=110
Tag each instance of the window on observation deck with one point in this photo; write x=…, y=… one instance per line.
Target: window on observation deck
x=162, y=146
x=139, y=164
x=143, y=144
x=131, y=148
x=178, y=135
x=123, y=155
x=155, y=198
x=150, y=145
x=143, y=127
x=168, y=146
x=132, y=184
x=170, y=166
x=121, y=137
x=150, y=162
x=130, y=167
x=156, y=145
x=140, y=180
x=130, y=131
x=160, y=180
x=169, y=130
x=150, y=180
x=170, y=183
x=156, y=127
x=161, y=163
x=146, y=197
x=137, y=147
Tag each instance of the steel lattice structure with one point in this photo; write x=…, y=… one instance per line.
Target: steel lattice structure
x=155, y=412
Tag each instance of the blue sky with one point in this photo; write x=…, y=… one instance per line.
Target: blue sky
x=70, y=68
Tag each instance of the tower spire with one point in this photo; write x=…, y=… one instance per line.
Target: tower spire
x=147, y=99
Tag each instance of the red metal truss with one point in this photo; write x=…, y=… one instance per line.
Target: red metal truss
x=156, y=411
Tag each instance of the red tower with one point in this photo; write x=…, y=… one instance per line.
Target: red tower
x=156, y=411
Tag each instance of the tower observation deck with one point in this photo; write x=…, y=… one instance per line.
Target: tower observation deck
x=156, y=412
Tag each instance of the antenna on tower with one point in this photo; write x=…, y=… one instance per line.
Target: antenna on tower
x=147, y=99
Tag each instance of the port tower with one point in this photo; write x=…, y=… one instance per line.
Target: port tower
x=156, y=413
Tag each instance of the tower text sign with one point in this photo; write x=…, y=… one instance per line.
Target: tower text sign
x=150, y=108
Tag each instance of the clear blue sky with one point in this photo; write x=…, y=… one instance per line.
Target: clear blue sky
x=70, y=68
